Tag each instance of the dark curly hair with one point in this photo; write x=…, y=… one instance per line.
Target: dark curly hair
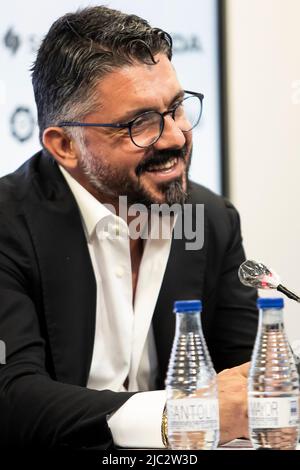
x=79, y=49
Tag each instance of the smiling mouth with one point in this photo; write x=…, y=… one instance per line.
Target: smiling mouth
x=166, y=167
x=172, y=169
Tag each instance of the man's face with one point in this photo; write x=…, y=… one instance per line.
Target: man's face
x=110, y=162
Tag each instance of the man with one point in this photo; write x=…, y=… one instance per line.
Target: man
x=87, y=317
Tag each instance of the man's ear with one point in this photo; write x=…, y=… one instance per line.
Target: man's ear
x=60, y=145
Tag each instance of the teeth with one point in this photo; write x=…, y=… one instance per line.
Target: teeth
x=163, y=166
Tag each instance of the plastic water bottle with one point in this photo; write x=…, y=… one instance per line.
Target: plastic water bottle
x=192, y=401
x=295, y=346
x=273, y=384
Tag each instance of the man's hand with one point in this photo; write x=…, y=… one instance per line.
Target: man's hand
x=232, y=384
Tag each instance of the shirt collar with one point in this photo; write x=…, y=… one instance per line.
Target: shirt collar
x=92, y=211
x=94, y=214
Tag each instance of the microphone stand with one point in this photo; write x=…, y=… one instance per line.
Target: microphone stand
x=288, y=293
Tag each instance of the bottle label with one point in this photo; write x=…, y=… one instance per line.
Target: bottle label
x=193, y=414
x=277, y=412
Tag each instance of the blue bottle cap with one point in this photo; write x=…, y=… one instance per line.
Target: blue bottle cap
x=187, y=306
x=265, y=302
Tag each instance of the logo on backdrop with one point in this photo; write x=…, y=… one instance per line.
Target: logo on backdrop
x=183, y=43
x=22, y=124
x=13, y=41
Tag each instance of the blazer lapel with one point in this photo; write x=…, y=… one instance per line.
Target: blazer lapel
x=68, y=283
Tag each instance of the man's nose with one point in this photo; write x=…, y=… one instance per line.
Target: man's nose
x=171, y=136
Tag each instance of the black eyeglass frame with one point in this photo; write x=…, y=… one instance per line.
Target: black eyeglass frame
x=130, y=123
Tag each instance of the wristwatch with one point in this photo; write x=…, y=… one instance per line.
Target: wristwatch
x=164, y=428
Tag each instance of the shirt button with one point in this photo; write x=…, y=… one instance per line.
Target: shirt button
x=119, y=272
x=115, y=230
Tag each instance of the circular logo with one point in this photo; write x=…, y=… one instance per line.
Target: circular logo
x=22, y=124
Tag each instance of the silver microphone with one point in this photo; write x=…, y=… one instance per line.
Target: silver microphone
x=254, y=274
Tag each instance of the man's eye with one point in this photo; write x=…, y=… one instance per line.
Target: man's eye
x=177, y=105
x=143, y=120
x=122, y=130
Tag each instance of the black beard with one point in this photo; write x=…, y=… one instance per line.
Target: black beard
x=174, y=193
x=118, y=184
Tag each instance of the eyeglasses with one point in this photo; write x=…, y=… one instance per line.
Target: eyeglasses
x=146, y=129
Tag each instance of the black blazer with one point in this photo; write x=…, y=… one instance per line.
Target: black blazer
x=48, y=302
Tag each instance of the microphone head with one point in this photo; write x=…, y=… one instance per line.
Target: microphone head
x=254, y=274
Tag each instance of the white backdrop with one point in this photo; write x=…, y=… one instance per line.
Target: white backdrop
x=264, y=135
x=193, y=26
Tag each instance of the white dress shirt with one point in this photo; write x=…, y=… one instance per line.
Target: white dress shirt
x=124, y=343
